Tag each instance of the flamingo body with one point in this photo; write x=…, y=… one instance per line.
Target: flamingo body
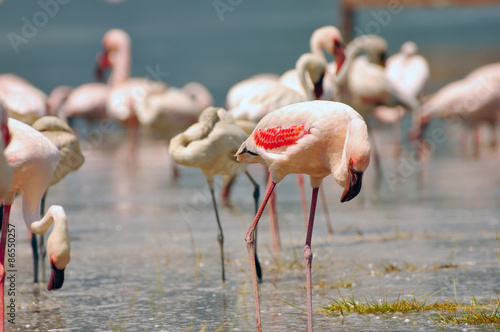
x=210, y=145
x=316, y=138
x=88, y=100
x=21, y=99
x=63, y=137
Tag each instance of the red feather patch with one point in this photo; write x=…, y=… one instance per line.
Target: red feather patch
x=272, y=138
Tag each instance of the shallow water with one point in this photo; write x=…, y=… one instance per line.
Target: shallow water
x=144, y=249
x=145, y=255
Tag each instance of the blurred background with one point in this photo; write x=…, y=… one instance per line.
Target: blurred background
x=192, y=41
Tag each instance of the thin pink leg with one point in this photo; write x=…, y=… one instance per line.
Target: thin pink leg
x=133, y=138
x=250, y=242
x=308, y=257
x=476, y=141
x=300, y=181
x=273, y=220
x=3, y=242
x=325, y=211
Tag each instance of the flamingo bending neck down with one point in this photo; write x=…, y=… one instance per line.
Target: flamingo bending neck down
x=316, y=138
x=63, y=137
x=210, y=144
x=33, y=159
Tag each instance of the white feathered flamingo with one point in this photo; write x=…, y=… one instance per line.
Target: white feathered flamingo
x=210, y=145
x=316, y=138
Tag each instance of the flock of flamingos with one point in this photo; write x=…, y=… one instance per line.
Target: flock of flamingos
x=310, y=120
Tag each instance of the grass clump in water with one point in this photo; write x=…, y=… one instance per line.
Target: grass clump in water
x=381, y=306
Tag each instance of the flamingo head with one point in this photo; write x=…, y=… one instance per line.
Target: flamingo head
x=58, y=263
x=353, y=184
x=338, y=52
x=382, y=58
x=56, y=278
x=102, y=65
x=356, y=156
x=318, y=86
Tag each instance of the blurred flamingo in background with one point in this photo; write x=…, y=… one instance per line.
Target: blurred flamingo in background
x=21, y=99
x=316, y=138
x=474, y=100
x=143, y=102
x=170, y=112
x=325, y=39
x=409, y=73
x=363, y=83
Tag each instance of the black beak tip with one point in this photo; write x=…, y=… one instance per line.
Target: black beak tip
x=354, y=188
x=56, y=278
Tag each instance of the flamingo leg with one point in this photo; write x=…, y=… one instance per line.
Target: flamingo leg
x=41, y=243
x=226, y=191
x=325, y=211
x=376, y=156
x=34, y=249
x=475, y=141
x=3, y=241
x=250, y=243
x=256, y=195
x=308, y=256
x=133, y=137
x=38, y=248
x=220, y=236
x=273, y=220
x=300, y=181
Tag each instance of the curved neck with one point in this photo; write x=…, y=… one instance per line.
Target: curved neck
x=55, y=215
x=121, y=65
x=351, y=52
x=302, y=71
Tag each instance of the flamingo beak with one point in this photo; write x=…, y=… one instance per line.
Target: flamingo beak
x=56, y=278
x=353, y=186
x=339, y=56
x=383, y=58
x=318, y=87
x=101, y=66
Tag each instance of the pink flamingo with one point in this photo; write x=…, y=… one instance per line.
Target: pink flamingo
x=316, y=138
x=170, y=112
x=474, y=99
x=408, y=72
x=238, y=91
x=325, y=39
x=268, y=96
x=63, y=137
x=362, y=81
x=34, y=159
x=22, y=100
